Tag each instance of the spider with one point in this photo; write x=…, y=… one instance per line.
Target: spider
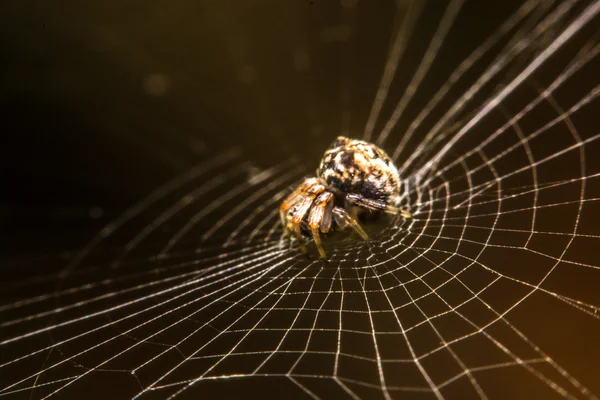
x=353, y=177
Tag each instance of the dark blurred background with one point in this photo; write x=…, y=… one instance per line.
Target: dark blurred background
x=100, y=102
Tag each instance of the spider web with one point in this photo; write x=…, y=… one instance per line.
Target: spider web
x=489, y=291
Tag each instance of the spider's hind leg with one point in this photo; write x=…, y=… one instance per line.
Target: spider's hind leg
x=347, y=218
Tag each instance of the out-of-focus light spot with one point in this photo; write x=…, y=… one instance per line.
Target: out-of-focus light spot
x=157, y=84
x=337, y=33
x=301, y=61
x=349, y=3
x=254, y=174
x=96, y=212
x=104, y=232
x=247, y=74
x=187, y=199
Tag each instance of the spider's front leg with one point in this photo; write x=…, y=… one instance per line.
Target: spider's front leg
x=290, y=227
x=376, y=205
x=302, y=201
x=320, y=219
x=303, y=195
x=290, y=201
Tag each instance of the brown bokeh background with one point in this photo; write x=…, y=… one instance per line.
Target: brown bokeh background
x=103, y=101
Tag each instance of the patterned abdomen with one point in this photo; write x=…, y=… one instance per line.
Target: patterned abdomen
x=355, y=166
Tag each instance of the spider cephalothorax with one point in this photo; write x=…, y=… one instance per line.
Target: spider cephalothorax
x=354, y=176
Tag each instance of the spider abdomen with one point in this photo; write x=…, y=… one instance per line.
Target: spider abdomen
x=351, y=166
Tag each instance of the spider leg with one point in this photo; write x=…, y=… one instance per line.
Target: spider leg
x=308, y=191
x=320, y=208
x=340, y=212
x=296, y=230
x=376, y=205
x=317, y=239
x=327, y=215
x=291, y=200
x=301, y=200
x=304, y=195
x=303, y=208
